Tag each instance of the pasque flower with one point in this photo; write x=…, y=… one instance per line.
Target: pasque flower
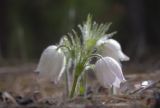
x=78, y=48
x=51, y=64
x=109, y=72
x=112, y=48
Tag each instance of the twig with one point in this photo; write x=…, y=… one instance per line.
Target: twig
x=140, y=90
x=149, y=86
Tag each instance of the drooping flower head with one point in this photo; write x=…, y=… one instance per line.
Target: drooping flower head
x=108, y=72
x=51, y=64
x=113, y=49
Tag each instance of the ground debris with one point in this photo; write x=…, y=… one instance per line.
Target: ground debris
x=140, y=91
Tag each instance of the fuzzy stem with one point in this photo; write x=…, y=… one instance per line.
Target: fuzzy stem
x=67, y=83
x=113, y=91
x=73, y=87
x=82, y=85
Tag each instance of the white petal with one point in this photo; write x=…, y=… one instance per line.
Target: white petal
x=122, y=56
x=51, y=63
x=104, y=74
x=112, y=48
x=109, y=51
x=116, y=68
x=62, y=69
x=108, y=72
x=113, y=44
x=117, y=83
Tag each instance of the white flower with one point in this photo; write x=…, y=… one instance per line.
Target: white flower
x=112, y=48
x=52, y=64
x=109, y=72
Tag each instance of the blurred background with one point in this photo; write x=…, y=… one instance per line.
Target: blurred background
x=29, y=26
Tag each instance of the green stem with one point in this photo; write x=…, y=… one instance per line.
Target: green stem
x=74, y=87
x=83, y=86
x=113, y=91
x=67, y=83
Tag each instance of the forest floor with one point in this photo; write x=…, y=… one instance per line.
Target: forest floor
x=19, y=88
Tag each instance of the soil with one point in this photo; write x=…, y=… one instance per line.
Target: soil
x=22, y=89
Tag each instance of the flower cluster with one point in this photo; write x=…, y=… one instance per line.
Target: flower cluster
x=74, y=52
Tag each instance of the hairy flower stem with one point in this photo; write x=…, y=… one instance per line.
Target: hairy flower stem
x=83, y=85
x=113, y=91
x=78, y=71
x=67, y=83
x=73, y=87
